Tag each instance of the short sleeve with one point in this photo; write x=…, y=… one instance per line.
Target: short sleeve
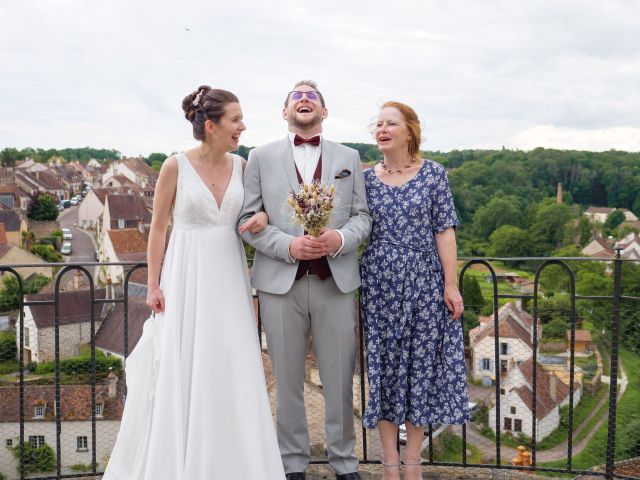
x=443, y=212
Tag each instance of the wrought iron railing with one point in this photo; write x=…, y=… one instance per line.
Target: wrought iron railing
x=369, y=453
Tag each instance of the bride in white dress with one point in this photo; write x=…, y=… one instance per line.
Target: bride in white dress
x=197, y=405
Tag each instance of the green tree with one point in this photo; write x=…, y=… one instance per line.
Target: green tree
x=499, y=211
x=9, y=294
x=614, y=219
x=40, y=459
x=584, y=229
x=8, y=347
x=548, y=226
x=471, y=293
x=156, y=158
x=43, y=208
x=510, y=241
x=9, y=156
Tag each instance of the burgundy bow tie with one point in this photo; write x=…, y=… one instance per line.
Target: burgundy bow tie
x=298, y=140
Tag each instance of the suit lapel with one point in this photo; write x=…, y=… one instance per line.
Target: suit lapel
x=327, y=162
x=289, y=164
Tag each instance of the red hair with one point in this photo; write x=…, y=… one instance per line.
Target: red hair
x=413, y=124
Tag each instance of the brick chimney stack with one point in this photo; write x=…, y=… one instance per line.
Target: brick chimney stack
x=559, y=193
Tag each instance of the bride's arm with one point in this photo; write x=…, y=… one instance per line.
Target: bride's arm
x=163, y=198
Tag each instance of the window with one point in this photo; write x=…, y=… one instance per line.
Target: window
x=486, y=364
x=82, y=444
x=9, y=442
x=504, y=349
x=121, y=223
x=39, y=410
x=517, y=425
x=502, y=392
x=503, y=367
x=26, y=337
x=513, y=410
x=507, y=423
x=36, y=441
x=99, y=409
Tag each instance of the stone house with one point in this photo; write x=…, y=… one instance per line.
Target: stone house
x=76, y=418
x=135, y=169
x=41, y=182
x=598, y=247
x=515, y=343
x=124, y=211
x=600, y=214
x=74, y=324
x=13, y=254
x=516, y=400
x=91, y=208
x=121, y=245
x=630, y=246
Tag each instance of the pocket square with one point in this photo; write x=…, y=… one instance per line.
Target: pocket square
x=345, y=172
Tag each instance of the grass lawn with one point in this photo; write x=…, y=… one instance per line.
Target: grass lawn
x=9, y=366
x=595, y=451
x=487, y=288
x=448, y=448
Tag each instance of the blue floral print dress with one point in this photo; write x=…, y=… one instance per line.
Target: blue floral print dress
x=415, y=352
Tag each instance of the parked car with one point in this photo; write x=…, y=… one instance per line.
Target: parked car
x=66, y=234
x=60, y=207
x=66, y=203
x=74, y=201
x=66, y=248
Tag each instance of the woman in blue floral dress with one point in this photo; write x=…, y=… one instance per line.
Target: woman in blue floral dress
x=410, y=300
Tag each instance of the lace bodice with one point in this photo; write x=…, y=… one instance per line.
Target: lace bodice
x=196, y=207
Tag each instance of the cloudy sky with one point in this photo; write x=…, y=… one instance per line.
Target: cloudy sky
x=480, y=74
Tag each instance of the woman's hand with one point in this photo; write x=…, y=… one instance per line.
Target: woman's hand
x=155, y=299
x=454, y=302
x=257, y=223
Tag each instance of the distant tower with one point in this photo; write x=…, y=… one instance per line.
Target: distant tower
x=559, y=193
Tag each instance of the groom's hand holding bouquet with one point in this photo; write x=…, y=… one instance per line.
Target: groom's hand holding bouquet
x=312, y=206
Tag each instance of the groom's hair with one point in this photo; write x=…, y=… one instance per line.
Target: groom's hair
x=308, y=83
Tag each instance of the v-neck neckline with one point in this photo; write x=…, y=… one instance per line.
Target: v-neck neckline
x=204, y=185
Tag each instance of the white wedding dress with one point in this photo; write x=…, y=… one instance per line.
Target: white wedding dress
x=197, y=405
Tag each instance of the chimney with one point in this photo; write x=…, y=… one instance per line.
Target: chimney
x=559, y=193
x=553, y=387
x=112, y=382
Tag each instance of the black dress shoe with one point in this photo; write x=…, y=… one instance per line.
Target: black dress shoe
x=296, y=476
x=348, y=476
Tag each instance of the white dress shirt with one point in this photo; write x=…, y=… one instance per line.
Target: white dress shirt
x=306, y=158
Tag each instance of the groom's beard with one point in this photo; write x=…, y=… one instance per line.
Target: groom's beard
x=307, y=124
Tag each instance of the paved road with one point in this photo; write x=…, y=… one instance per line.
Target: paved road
x=83, y=249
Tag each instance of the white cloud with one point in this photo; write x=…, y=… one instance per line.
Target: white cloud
x=563, y=138
x=479, y=74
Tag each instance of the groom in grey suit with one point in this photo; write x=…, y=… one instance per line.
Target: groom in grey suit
x=307, y=285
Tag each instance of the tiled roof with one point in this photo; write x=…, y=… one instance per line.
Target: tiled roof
x=111, y=334
x=102, y=193
x=606, y=210
x=11, y=220
x=75, y=401
x=127, y=241
x=581, y=335
x=43, y=179
x=128, y=207
x=140, y=167
x=75, y=307
x=544, y=401
x=508, y=327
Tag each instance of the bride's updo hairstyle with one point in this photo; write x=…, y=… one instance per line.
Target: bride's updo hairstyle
x=204, y=104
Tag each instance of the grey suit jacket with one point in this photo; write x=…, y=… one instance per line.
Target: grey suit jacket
x=269, y=177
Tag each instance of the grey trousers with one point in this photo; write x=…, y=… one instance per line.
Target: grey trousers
x=315, y=307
